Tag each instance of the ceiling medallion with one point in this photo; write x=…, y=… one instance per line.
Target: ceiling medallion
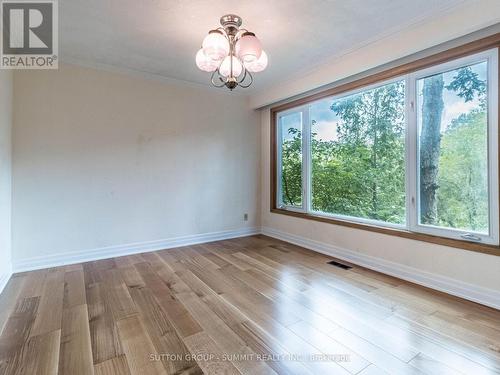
x=232, y=54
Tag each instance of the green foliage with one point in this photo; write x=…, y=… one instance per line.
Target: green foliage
x=362, y=173
x=467, y=84
x=463, y=190
x=291, y=170
x=458, y=196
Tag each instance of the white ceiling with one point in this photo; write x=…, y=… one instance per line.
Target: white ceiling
x=162, y=36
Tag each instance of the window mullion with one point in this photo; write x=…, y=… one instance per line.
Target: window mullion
x=306, y=159
x=411, y=153
x=493, y=146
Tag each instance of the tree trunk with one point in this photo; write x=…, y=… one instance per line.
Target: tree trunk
x=430, y=143
x=286, y=191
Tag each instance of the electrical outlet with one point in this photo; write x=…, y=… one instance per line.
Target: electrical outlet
x=245, y=217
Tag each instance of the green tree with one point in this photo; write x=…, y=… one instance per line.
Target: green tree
x=361, y=173
x=430, y=145
x=291, y=170
x=463, y=186
x=467, y=85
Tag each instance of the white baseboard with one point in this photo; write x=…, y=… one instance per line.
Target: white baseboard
x=484, y=296
x=66, y=258
x=5, y=277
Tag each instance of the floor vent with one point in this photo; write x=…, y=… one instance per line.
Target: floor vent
x=340, y=265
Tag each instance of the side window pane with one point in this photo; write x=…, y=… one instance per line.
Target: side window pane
x=291, y=159
x=453, y=149
x=358, y=154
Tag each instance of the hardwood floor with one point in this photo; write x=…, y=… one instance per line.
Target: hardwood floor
x=251, y=305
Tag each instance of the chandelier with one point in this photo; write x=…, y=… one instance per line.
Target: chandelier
x=232, y=54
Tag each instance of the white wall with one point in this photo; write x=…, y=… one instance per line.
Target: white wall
x=5, y=175
x=103, y=159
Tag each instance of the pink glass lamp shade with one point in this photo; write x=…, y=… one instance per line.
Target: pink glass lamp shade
x=248, y=47
x=215, y=45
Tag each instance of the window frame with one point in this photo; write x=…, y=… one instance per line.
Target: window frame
x=409, y=72
x=491, y=57
x=279, y=197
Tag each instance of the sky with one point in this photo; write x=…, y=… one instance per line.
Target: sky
x=293, y=120
x=455, y=105
x=326, y=119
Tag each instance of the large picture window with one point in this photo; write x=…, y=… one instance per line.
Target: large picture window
x=418, y=152
x=358, y=154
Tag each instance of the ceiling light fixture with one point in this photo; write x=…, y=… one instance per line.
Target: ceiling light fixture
x=232, y=54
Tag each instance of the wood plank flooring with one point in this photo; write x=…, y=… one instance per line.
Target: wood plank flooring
x=251, y=305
